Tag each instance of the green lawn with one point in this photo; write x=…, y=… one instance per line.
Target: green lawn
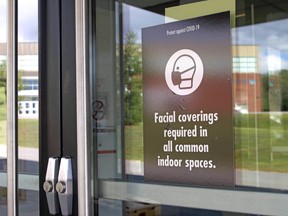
x=255, y=136
x=134, y=142
x=28, y=128
x=267, y=134
x=246, y=150
x=28, y=132
x=265, y=130
x=2, y=131
x=2, y=104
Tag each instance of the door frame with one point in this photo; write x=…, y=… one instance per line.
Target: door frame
x=12, y=121
x=57, y=81
x=83, y=28
x=61, y=81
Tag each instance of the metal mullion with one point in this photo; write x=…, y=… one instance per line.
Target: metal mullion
x=82, y=96
x=12, y=151
x=236, y=200
x=50, y=89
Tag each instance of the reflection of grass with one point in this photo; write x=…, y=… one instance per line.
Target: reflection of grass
x=2, y=132
x=268, y=134
x=28, y=132
x=3, y=194
x=27, y=128
x=2, y=104
x=134, y=142
x=2, y=116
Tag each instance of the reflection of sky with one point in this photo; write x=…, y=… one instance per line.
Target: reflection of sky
x=134, y=19
x=2, y=21
x=27, y=20
x=269, y=34
x=270, y=37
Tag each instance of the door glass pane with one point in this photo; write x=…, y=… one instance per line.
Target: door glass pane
x=259, y=70
x=115, y=207
x=259, y=74
x=28, y=137
x=3, y=109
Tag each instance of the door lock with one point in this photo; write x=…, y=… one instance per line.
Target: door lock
x=61, y=187
x=64, y=187
x=49, y=185
x=58, y=185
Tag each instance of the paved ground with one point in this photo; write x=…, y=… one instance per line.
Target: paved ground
x=30, y=184
x=248, y=178
x=31, y=154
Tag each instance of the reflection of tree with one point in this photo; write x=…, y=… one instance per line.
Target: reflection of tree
x=265, y=94
x=284, y=89
x=132, y=79
x=275, y=88
x=3, y=78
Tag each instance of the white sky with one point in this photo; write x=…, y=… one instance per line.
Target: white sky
x=27, y=20
x=268, y=35
x=135, y=19
x=271, y=37
x=2, y=21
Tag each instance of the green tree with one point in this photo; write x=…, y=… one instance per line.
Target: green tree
x=2, y=92
x=3, y=77
x=132, y=79
x=265, y=93
x=279, y=82
x=284, y=89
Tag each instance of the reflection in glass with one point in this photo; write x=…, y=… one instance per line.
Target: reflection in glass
x=260, y=80
x=3, y=109
x=260, y=96
x=117, y=207
x=260, y=86
x=28, y=137
x=132, y=70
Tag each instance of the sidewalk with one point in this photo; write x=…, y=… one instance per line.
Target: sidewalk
x=31, y=154
x=247, y=178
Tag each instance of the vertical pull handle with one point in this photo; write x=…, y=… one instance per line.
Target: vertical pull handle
x=64, y=187
x=49, y=185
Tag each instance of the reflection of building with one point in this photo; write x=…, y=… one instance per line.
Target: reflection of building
x=246, y=76
x=247, y=79
x=28, y=71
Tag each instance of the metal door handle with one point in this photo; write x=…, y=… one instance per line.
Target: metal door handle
x=64, y=187
x=49, y=185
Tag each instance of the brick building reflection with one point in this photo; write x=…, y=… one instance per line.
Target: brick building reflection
x=247, y=80
x=247, y=83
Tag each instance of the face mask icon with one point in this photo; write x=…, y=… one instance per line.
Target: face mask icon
x=184, y=72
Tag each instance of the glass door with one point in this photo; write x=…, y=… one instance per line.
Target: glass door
x=58, y=135
x=3, y=117
x=122, y=33
x=19, y=102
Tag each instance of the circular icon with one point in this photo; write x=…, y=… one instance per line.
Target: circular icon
x=184, y=72
x=98, y=110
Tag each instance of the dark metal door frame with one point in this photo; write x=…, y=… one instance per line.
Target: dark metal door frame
x=57, y=93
